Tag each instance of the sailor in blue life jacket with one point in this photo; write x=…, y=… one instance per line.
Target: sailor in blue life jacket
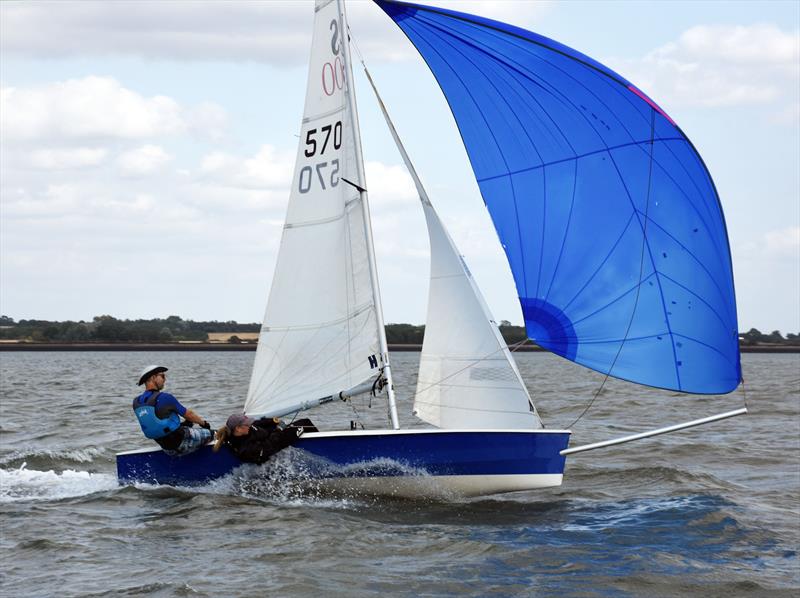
x=159, y=414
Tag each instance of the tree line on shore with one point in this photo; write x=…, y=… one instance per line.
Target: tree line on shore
x=108, y=329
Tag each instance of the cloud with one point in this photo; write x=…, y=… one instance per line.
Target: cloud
x=761, y=44
x=268, y=168
x=143, y=161
x=509, y=11
x=391, y=184
x=98, y=108
x=92, y=107
x=276, y=32
x=711, y=66
x=53, y=201
x=783, y=242
x=209, y=120
x=64, y=159
x=197, y=30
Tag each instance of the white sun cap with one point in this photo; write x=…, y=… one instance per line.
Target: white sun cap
x=149, y=371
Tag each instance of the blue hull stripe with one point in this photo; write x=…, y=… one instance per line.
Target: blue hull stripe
x=391, y=454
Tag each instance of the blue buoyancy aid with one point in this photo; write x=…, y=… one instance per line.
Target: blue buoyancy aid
x=153, y=426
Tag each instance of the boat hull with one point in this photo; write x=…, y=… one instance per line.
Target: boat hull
x=386, y=462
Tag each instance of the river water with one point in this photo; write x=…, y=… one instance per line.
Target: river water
x=711, y=511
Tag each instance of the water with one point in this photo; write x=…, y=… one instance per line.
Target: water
x=709, y=511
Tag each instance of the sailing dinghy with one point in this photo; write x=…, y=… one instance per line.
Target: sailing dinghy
x=608, y=217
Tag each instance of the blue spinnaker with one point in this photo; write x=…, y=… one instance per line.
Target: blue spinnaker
x=608, y=216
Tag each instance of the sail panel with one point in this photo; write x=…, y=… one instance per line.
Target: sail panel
x=609, y=219
x=320, y=331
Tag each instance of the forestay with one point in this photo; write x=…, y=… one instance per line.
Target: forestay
x=467, y=377
x=320, y=331
x=608, y=216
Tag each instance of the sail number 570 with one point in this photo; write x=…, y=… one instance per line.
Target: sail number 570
x=317, y=141
x=327, y=175
x=314, y=137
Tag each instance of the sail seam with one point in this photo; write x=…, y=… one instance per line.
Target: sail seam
x=706, y=345
x=443, y=276
x=320, y=221
x=601, y=264
x=282, y=380
x=566, y=232
x=694, y=257
x=690, y=291
x=319, y=7
x=577, y=157
x=319, y=325
x=470, y=358
x=461, y=408
x=630, y=338
x=614, y=300
x=322, y=115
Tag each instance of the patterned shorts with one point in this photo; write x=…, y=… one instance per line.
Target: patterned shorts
x=193, y=439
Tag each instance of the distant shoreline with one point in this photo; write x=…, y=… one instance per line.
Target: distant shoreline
x=30, y=346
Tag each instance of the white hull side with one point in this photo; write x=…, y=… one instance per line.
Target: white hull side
x=449, y=486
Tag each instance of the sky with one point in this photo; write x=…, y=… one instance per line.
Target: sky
x=147, y=148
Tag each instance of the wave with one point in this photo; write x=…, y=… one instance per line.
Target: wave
x=605, y=482
x=23, y=484
x=54, y=457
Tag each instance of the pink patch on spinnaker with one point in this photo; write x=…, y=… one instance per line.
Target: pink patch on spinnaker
x=652, y=104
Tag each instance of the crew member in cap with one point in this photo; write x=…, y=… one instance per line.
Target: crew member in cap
x=256, y=441
x=159, y=414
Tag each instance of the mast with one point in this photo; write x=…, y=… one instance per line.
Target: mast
x=373, y=268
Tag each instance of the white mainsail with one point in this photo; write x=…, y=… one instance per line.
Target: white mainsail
x=467, y=376
x=321, y=332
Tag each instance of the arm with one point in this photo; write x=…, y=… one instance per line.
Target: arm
x=196, y=419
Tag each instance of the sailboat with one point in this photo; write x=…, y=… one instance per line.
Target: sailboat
x=608, y=217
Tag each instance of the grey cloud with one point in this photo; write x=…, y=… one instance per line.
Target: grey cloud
x=276, y=32
x=267, y=32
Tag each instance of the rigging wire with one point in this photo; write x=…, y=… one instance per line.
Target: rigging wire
x=357, y=415
x=377, y=386
x=744, y=394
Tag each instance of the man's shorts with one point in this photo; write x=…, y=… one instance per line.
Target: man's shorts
x=193, y=439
